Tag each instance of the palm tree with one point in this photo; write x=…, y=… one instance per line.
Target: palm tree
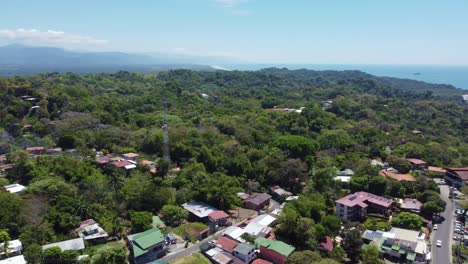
x=5, y=239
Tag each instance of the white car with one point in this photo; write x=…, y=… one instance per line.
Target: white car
x=439, y=243
x=435, y=227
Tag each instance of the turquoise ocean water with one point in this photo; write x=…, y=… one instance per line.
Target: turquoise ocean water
x=454, y=75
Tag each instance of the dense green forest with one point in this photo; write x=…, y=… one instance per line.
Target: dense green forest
x=227, y=134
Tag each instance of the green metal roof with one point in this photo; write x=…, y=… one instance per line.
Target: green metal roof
x=411, y=256
x=278, y=246
x=396, y=247
x=143, y=241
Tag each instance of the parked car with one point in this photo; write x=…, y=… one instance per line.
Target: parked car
x=435, y=227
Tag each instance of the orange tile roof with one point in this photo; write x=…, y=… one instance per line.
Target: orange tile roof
x=397, y=176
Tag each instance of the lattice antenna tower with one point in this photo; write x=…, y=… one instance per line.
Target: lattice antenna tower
x=166, y=154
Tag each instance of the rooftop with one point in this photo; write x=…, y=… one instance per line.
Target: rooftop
x=436, y=169
x=234, y=232
x=90, y=229
x=416, y=161
x=411, y=204
x=199, y=209
x=397, y=176
x=130, y=155
x=327, y=244
x=264, y=219
x=216, y=215
x=359, y=198
x=346, y=172
x=121, y=163
x=72, y=244
x=261, y=261
x=15, y=188
x=13, y=247
x=343, y=178
x=278, y=246
x=243, y=248
x=280, y=191
x=372, y=235
x=256, y=229
x=460, y=172
x=143, y=241
x=258, y=198
x=226, y=244
x=14, y=260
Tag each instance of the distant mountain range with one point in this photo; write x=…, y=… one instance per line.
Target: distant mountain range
x=18, y=59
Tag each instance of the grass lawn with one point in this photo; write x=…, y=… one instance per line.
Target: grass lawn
x=194, y=259
x=92, y=249
x=193, y=229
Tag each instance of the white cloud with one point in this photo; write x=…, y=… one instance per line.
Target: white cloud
x=34, y=36
x=230, y=3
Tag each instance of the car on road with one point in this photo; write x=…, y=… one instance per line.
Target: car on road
x=439, y=243
x=435, y=227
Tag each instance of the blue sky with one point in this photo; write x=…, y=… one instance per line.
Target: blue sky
x=262, y=31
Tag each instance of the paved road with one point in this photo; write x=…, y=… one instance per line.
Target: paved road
x=444, y=233
x=185, y=252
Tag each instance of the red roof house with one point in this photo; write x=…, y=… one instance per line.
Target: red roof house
x=398, y=176
x=327, y=244
x=417, y=164
x=457, y=176
x=355, y=206
x=261, y=261
x=226, y=244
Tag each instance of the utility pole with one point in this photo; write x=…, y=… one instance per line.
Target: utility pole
x=166, y=154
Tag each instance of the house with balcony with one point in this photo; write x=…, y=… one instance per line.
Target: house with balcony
x=354, y=207
x=399, y=245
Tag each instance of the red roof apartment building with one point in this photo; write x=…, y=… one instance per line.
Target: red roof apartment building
x=354, y=207
x=457, y=176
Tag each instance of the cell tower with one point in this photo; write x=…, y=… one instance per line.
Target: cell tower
x=166, y=154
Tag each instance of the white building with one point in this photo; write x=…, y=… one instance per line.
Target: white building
x=14, y=248
x=14, y=260
x=15, y=188
x=72, y=244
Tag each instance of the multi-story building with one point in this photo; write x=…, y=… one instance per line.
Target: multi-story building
x=402, y=245
x=354, y=207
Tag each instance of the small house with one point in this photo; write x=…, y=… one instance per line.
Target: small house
x=218, y=217
x=257, y=201
x=72, y=244
x=457, y=176
x=327, y=244
x=234, y=232
x=417, y=164
x=274, y=250
x=397, y=176
x=39, y=150
x=147, y=246
x=91, y=230
x=14, y=248
x=131, y=156
x=244, y=252
x=279, y=193
x=14, y=260
x=410, y=205
x=150, y=164
x=124, y=164
x=226, y=244
x=15, y=188
x=199, y=211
